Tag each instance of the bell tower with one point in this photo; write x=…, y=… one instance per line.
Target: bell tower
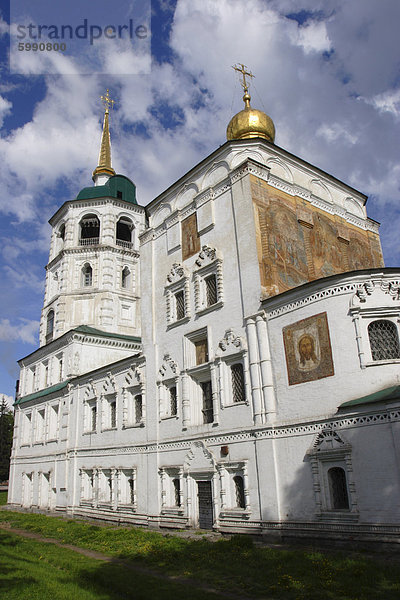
x=92, y=275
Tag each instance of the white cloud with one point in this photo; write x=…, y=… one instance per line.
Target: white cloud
x=313, y=37
x=5, y=109
x=24, y=331
x=387, y=102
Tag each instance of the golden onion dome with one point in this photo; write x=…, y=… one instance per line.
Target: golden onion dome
x=250, y=123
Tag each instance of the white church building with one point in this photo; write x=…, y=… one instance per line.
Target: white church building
x=226, y=357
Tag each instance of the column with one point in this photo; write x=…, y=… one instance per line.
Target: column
x=265, y=367
x=214, y=393
x=185, y=401
x=254, y=374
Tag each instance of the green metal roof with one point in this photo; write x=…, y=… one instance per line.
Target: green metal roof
x=118, y=186
x=41, y=393
x=386, y=395
x=93, y=331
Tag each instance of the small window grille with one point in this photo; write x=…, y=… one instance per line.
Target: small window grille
x=113, y=414
x=384, y=340
x=138, y=408
x=238, y=391
x=173, y=401
x=177, y=491
x=338, y=488
x=87, y=275
x=211, y=289
x=180, y=305
x=94, y=417
x=208, y=413
x=239, y=491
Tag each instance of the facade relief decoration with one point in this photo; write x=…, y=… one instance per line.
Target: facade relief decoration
x=308, y=349
x=206, y=255
x=176, y=273
x=298, y=242
x=134, y=377
x=199, y=458
x=190, y=237
x=169, y=368
x=231, y=342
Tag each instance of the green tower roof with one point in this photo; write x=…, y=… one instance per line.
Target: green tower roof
x=118, y=186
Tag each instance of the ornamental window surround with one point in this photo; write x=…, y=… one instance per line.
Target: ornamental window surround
x=168, y=389
x=123, y=233
x=89, y=234
x=375, y=310
x=177, y=293
x=87, y=275
x=234, y=489
x=50, y=326
x=208, y=281
x=172, y=500
x=233, y=370
x=332, y=474
x=109, y=412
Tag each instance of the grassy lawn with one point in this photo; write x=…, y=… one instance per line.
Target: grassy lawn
x=36, y=570
x=234, y=565
x=3, y=498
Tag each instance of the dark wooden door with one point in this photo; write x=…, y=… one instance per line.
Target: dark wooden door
x=205, y=504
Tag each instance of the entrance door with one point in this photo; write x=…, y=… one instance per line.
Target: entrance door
x=205, y=504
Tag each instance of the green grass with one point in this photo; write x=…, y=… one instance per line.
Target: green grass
x=36, y=570
x=3, y=498
x=234, y=565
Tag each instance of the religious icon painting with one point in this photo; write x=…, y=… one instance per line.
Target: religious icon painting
x=190, y=237
x=308, y=349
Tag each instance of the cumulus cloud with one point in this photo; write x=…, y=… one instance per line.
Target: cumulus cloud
x=22, y=330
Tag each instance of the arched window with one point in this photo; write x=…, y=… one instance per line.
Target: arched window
x=384, y=340
x=90, y=230
x=125, y=278
x=338, y=488
x=61, y=232
x=239, y=491
x=50, y=326
x=87, y=275
x=124, y=232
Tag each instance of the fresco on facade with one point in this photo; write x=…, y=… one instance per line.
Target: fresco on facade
x=308, y=349
x=190, y=237
x=298, y=242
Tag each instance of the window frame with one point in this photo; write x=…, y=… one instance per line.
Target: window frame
x=177, y=282
x=213, y=267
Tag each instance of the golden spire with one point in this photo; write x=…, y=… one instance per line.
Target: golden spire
x=250, y=122
x=104, y=167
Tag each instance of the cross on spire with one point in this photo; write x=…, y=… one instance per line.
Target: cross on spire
x=240, y=68
x=107, y=101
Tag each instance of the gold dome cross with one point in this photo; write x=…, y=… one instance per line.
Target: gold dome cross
x=240, y=68
x=107, y=101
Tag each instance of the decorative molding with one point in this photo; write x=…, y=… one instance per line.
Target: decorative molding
x=177, y=272
x=230, y=341
x=206, y=256
x=169, y=366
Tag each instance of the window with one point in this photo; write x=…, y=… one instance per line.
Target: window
x=61, y=232
x=49, y=326
x=177, y=491
x=27, y=428
x=60, y=367
x=40, y=423
x=123, y=235
x=93, y=418
x=89, y=231
x=173, y=401
x=207, y=410
x=384, y=340
x=87, y=275
x=211, y=289
x=208, y=280
x=53, y=421
x=201, y=348
x=46, y=374
x=138, y=408
x=338, y=488
x=113, y=414
x=180, y=305
x=237, y=377
x=125, y=278
x=239, y=491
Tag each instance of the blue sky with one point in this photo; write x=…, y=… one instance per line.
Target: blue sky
x=326, y=71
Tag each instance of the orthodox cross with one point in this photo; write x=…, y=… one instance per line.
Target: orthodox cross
x=107, y=101
x=242, y=69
